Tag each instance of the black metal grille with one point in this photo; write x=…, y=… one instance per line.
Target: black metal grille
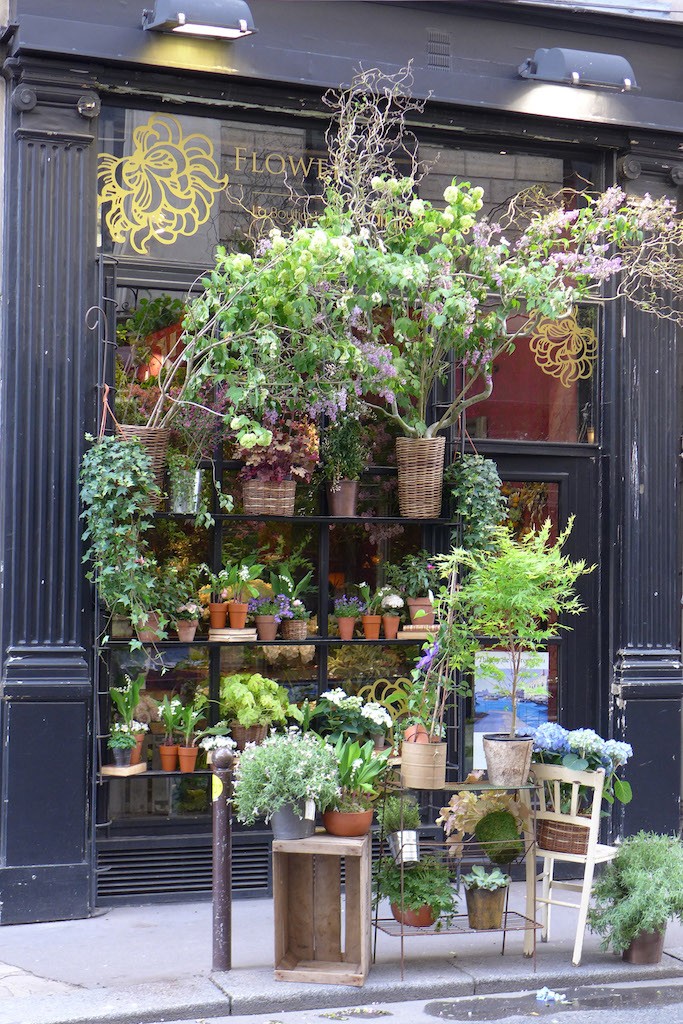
x=439, y=50
x=166, y=872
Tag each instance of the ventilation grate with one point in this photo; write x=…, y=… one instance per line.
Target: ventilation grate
x=166, y=871
x=438, y=50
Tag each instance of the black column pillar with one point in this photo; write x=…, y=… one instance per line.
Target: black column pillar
x=646, y=611
x=47, y=374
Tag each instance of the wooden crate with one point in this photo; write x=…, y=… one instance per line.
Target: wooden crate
x=308, y=910
x=130, y=769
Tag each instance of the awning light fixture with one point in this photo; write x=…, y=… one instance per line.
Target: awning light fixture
x=212, y=19
x=580, y=67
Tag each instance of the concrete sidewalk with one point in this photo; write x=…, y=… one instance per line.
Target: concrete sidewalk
x=146, y=963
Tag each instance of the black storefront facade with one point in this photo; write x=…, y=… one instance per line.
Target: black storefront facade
x=79, y=83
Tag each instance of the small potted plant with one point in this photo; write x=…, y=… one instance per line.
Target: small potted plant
x=419, y=894
x=417, y=577
x=497, y=819
x=218, y=597
x=251, y=703
x=376, y=721
x=294, y=625
x=183, y=608
x=283, y=451
x=335, y=713
x=283, y=780
x=343, y=458
x=216, y=740
x=188, y=718
x=637, y=894
x=485, y=893
x=399, y=821
x=513, y=594
x=347, y=610
x=268, y=613
x=121, y=742
x=169, y=711
x=126, y=699
x=371, y=618
x=391, y=605
x=240, y=578
x=360, y=771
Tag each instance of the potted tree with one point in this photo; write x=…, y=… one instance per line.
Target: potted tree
x=360, y=771
x=512, y=594
x=283, y=780
x=485, y=893
x=419, y=894
x=343, y=459
x=637, y=894
x=251, y=703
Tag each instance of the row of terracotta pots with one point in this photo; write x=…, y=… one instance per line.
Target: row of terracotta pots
x=371, y=626
x=233, y=611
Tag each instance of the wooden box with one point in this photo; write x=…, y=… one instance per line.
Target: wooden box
x=308, y=910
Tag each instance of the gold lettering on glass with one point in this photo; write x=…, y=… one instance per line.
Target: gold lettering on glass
x=563, y=349
x=166, y=187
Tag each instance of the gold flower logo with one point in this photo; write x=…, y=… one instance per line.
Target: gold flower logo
x=165, y=188
x=563, y=349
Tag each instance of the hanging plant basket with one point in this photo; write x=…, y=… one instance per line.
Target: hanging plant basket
x=155, y=442
x=420, y=476
x=268, y=497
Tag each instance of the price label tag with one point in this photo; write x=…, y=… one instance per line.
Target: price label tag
x=309, y=812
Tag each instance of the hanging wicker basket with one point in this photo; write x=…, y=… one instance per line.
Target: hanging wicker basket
x=250, y=734
x=562, y=837
x=155, y=442
x=420, y=476
x=269, y=498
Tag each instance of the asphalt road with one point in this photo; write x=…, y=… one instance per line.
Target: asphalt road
x=659, y=1003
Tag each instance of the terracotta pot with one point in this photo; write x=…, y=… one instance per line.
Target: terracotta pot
x=186, y=630
x=416, y=734
x=266, y=627
x=187, y=756
x=508, y=759
x=348, y=823
x=342, y=500
x=421, y=918
x=485, y=908
x=391, y=624
x=422, y=604
x=136, y=753
x=371, y=626
x=646, y=948
x=346, y=626
x=237, y=613
x=148, y=631
x=218, y=613
x=168, y=755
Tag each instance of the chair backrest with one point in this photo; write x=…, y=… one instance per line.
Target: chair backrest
x=570, y=797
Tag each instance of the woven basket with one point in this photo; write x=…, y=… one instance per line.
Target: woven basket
x=294, y=629
x=243, y=735
x=420, y=476
x=268, y=498
x=155, y=442
x=562, y=837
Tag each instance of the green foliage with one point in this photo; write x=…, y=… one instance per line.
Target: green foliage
x=397, y=814
x=120, y=737
x=284, y=769
x=152, y=315
x=414, y=576
x=475, y=492
x=127, y=698
x=188, y=718
x=117, y=490
x=239, y=579
x=254, y=700
x=282, y=582
x=513, y=594
x=342, y=451
x=639, y=891
x=361, y=768
x=427, y=883
x=498, y=835
x=170, y=709
x=479, y=878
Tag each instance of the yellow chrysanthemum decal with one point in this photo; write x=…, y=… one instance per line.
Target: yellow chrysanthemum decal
x=563, y=349
x=165, y=188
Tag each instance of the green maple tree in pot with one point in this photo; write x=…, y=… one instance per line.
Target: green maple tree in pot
x=513, y=595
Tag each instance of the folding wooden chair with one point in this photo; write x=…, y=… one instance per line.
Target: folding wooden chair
x=569, y=834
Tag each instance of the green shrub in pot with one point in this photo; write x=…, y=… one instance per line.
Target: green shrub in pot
x=398, y=814
x=427, y=883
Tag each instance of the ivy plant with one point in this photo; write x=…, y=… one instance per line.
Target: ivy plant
x=477, y=499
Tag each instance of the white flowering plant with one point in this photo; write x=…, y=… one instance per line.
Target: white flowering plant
x=376, y=718
x=217, y=742
x=335, y=713
x=121, y=737
x=391, y=602
x=371, y=599
x=240, y=578
x=286, y=768
x=170, y=709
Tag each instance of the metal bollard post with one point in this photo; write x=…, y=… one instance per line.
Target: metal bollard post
x=221, y=798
